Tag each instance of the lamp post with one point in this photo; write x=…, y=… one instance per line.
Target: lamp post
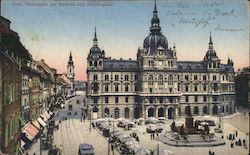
x=89, y=120
x=157, y=149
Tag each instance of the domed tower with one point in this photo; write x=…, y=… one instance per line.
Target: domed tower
x=211, y=60
x=70, y=69
x=156, y=53
x=95, y=56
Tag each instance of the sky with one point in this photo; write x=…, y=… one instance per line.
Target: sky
x=50, y=29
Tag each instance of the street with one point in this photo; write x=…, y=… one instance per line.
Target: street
x=72, y=132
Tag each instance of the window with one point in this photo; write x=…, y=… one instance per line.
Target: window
x=214, y=98
x=95, y=63
x=106, y=88
x=126, y=78
x=170, y=80
x=106, y=78
x=195, y=87
x=186, y=88
x=186, y=98
x=116, y=77
x=161, y=100
x=116, y=99
x=204, y=98
x=204, y=88
x=195, y=77
x=116, y=88
x=136, y=77
x=214, y=77
x=126, y=88
x=90, y=63
x=214, y=65
x=106, y=100
x=204, y=77
x=136, y=87
x=95, y=77
x=150, y=80
x=160, y=80
x=126, y=99
x=151, y=100
x=186, y=77
x=195, y=98
x=223, y=77
x=95, y=100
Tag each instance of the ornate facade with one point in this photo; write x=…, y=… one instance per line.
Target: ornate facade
x=157, y=84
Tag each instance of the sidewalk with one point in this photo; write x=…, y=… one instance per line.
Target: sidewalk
x=35, y=148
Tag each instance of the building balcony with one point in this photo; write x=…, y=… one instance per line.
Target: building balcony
x=160, y=94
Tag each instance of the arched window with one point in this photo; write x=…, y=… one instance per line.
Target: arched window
x=126, y=88
x=116, y=88
x=106, y=88
x=95, y=87
x=100, y=63
x=95, y=63
x=160, y=80
x=170, y=80
x=150, y=80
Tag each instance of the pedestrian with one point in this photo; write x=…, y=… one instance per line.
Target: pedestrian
x=239, y=142
x=151, y=136
x=232, y=144
x=244, y=142
x=209, y=152
x=236, y=133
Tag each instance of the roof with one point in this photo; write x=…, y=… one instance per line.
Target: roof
x=200, y=66
x=190, y=65
x=120, y=65
x=86, y=148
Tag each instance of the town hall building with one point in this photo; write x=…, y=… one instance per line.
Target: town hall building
x=156, y=84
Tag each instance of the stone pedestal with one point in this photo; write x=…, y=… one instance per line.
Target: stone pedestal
x=189, y=122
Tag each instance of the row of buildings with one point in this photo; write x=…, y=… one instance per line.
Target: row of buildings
x=156, y=84
x=27, y=89
x=242, y=87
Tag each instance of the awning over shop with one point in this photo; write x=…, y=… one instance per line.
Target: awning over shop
x=36, y=124
x=30, y=131
x=40, y=120
x=46, y=116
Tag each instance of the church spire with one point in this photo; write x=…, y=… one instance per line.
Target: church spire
x=95, y=41
x=70, y=56
x=155, y=9
x=210, y=42
x=155, y=21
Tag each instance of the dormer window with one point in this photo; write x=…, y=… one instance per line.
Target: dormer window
x=121, y=66
x=111, y=66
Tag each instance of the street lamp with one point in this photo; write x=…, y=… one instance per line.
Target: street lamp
x=157, y=149
x=90, y=120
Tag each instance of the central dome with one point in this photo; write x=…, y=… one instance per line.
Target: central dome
x=155, y=40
